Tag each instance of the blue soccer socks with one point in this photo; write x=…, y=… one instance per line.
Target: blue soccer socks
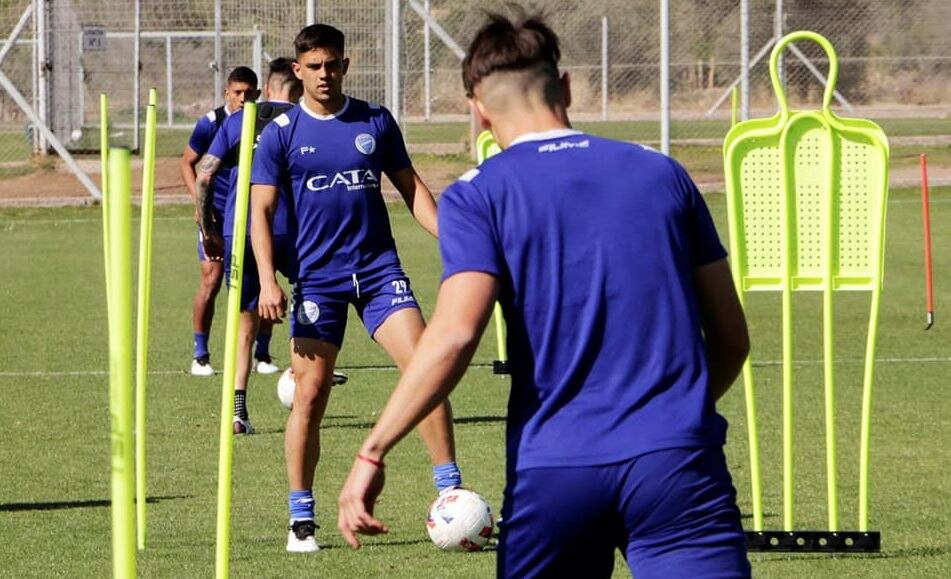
x=201, y=345
x=447, y=476
x=301, y=505
x=262, y=347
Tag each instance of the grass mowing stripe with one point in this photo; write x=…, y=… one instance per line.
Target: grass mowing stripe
x=55, y=429
x=184, y=372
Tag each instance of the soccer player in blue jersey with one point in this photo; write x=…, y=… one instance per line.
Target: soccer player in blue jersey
x=242, y=84
x=624, y=328
x=281, y=90
x=331, y=153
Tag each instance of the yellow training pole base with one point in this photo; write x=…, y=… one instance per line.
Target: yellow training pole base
x=814, y=541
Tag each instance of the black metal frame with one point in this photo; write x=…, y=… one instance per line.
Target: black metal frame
x=814, y=541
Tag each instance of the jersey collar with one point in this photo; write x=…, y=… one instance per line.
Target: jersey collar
x=343, y=109
x=544, y=136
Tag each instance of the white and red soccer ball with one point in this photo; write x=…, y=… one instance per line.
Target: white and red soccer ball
x=460, y=520
x=285, y=388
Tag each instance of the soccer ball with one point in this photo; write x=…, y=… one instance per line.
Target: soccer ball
x=460, y=520
x=285, y=388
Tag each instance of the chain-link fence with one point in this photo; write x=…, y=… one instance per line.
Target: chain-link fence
x=895, y=60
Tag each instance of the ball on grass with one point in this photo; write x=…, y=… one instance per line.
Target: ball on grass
x=460, y=520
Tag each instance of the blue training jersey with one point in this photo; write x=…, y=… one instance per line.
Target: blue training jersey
x=225, y=147
x=332, y=166
x=594, y=243
x=201, y=139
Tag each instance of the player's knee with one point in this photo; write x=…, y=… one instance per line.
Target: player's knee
x=312, y=388
x=210, y=282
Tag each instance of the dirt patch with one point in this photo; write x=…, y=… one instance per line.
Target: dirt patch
x=58, y=186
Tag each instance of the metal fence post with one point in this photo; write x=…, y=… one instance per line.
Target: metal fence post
x=43, y=72
x=604, y=68
x=311, y=12
x=665, y=76
x=744, y=59
x=427, y=89
x=777, y=34
x=216, y=65
x=169, y=104
x=137, y=75
x=395, y=59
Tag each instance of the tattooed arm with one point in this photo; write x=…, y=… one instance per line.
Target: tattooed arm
x=204, y=206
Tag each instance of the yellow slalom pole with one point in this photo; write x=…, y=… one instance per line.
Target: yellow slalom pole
x=142, y=325
x=226, y=451
x=120, y=362
x=104, y=167
x=487, y=147
x=500, y=332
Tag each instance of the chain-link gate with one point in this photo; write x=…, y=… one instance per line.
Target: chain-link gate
x=895, y=60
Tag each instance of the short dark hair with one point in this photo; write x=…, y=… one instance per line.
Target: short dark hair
x=281, y=72
x=243, y=74
x=319, y=36
x=503, y=44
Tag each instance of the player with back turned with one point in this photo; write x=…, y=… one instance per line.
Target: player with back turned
x=624, y=329
x=331, y=153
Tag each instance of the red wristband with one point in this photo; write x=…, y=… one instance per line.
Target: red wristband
x=373, y=461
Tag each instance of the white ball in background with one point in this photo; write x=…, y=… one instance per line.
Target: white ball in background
x=285, y=388
x=76, y=135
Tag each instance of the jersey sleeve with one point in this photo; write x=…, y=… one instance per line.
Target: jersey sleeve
x=202, y=135
x=269, y=161
x=705, y=246
x=467, y=240
x=393, y=149
x=220, y=145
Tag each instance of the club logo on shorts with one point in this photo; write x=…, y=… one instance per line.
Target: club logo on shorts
x=365, y=143
x=308, y=313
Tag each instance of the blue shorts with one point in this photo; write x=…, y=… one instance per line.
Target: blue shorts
x=283, y=248
x=219, y=227
x=321, y=313
x=672, y=513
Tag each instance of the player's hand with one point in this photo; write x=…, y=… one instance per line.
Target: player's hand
x=356, y=502
x=214, y=246
x=272, y=303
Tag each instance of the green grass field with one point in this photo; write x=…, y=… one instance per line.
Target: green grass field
x=54, y=454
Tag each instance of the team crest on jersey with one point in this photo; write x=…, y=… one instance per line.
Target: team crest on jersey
x=365, y=143
x=308, y=313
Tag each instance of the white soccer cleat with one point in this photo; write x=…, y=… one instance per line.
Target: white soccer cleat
x=202, y=367
x=266, y=367
x=300, y=537
x=242, y=426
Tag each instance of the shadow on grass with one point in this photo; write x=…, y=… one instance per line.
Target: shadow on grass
x=407, y=542
x=911, y=553
x=364, y=425
x=477, y=419
x=765, y=516
x=83, y=504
